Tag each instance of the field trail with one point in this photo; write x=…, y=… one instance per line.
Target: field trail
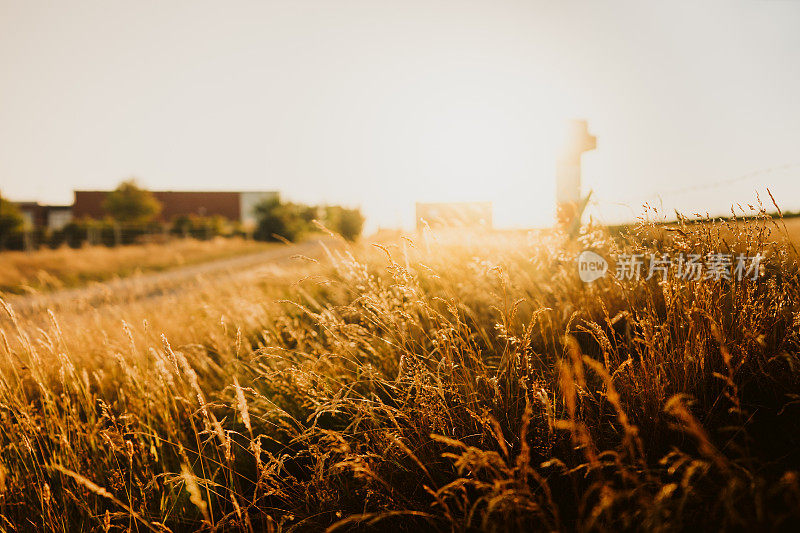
x=150, y=285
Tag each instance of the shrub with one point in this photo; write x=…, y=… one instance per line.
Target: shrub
x=11, y=221
x=200, y=227
x=278, y=221
x=346, y=222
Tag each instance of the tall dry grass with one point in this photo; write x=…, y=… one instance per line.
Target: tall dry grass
x=47, y=269
x=420, y=386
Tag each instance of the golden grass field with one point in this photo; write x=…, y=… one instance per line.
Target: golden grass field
x=419, y=385
x=66, y=267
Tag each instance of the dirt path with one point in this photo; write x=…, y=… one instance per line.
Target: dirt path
x=149, y=285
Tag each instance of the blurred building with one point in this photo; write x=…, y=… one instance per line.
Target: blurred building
x=467, y=215
x=36, y=215
x=570, y=201
x=233, y=205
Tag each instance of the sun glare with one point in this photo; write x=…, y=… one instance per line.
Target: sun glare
x=493, y=154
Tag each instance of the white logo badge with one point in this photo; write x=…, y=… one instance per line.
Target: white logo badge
x=591, y=266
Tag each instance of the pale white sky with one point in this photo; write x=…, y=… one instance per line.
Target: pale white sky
x=381, y=103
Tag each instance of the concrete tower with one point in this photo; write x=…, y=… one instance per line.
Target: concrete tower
x=569, y=201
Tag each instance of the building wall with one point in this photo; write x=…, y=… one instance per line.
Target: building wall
x=54, y=217
x=177, y=203
x=231, y=205
x=247, y=203
x=89, y=204
x=29, y=220
x=58, y=218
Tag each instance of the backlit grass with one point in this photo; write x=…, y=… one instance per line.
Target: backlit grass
x=421, y=385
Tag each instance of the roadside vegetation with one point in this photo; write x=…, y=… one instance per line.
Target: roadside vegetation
x=47, y=269
x=426, y=385
x=287, y=221
x=132, y=216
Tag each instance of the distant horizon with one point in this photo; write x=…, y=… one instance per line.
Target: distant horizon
x=770, y=209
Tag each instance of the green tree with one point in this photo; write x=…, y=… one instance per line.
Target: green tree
x=130, y=204
x=11, y=220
